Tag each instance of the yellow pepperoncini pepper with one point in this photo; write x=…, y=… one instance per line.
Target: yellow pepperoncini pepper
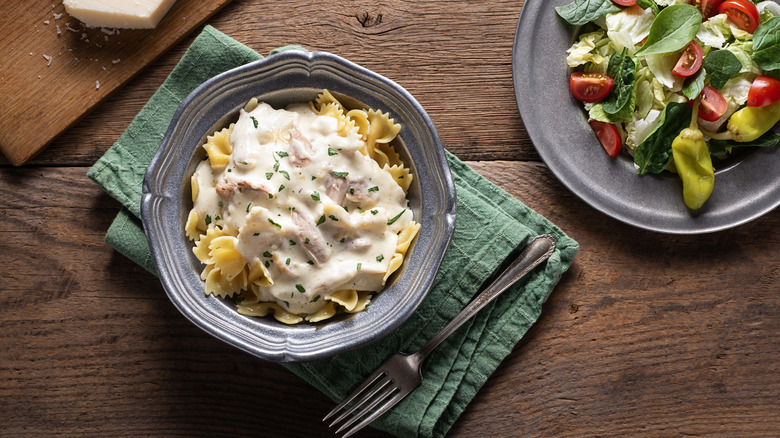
x=693, y=163
x=752, y=122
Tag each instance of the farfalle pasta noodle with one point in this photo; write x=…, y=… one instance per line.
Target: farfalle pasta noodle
x=301, y=213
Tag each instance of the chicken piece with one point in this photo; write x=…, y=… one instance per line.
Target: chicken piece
x=361, y=191
x=357, y=244
x=311, y=238
x=301, y=149
x=335, y=188
x=228, y=186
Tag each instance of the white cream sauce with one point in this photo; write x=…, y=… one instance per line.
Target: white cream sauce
x=306, y=203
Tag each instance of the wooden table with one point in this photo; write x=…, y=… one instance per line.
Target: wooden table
x=646, y=334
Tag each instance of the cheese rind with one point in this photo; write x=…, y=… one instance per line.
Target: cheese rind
x=132, y=14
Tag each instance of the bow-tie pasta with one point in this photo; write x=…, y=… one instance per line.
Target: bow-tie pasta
x=301, y=212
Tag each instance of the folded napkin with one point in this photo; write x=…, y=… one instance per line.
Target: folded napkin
x=491, y=227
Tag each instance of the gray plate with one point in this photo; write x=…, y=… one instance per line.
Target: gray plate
x=744, y=189
x=281, y=79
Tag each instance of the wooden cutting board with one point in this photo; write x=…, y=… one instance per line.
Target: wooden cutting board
x=54, y=70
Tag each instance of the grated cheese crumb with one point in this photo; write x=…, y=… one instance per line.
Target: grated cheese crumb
x=97, y=85
x=116, y=61
x=48, y=58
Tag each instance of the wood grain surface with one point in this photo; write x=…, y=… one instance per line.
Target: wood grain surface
x=54, y=69
x=646, y=335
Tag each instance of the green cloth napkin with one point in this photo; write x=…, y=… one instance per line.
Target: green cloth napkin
x=491, y=226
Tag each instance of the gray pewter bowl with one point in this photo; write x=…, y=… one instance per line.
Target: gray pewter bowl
x=746, y=187
x=288, y=77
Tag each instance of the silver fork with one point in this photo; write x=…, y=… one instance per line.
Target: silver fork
x=400, y=374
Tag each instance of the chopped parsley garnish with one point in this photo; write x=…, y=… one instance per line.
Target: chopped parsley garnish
x=380, y=257
x=285, y=174
x=282, y=154
x=392, y=221
x=269, y=175
x=315, y=299
x=359, y=265
x=300, y=288
x=292, y=242
x=267, y=254
x=321, y=220
x=306, y=241
x=267, y=264
x=374, y=211
x=256, y=234
x=208, y=220
x=343, y=239
x=313, y=177
x=216, y=218
x=287, y=262
x=281, y=187
x=276, y=166
x=351, y=190
x=340, y=174
x=248, y=206
x=244, y=163
x=230, y=170
x=333, y=218
x=274, y=223
x=310, y=262
x=270, y=196
x=254, y=121
x=315, y=195
x=332, y=151
x=373, y=189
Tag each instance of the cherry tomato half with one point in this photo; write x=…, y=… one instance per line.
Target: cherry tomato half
x=708, y=8
x=608, y=136
x=590, y=87
x=625, y=2
x=712, y=104
x=743, y=13
x=764, y=91
x=690, y=61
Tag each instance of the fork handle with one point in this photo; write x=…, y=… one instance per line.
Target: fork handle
x=539, y=250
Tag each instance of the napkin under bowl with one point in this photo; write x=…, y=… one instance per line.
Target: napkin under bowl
x=490, y=228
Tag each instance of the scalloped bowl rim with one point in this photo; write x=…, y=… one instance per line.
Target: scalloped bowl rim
x=287, y=77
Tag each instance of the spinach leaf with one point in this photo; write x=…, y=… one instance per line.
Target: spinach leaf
x=694, y=84
x=766, y=45
x=625, y=115
x=622, y=69
x=654, y=154
x=581, y=12
x=769, y=140
x=644, y=4
x=673, y=28
x=722, y=65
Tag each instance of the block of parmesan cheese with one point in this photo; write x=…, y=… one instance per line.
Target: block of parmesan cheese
x=127, y=14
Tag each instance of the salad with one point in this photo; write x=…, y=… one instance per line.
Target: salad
x=677, y=83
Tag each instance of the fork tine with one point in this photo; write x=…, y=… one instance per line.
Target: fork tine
x=370, y=407
x=373, y=391
x=353, y=395
x=374, y=415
